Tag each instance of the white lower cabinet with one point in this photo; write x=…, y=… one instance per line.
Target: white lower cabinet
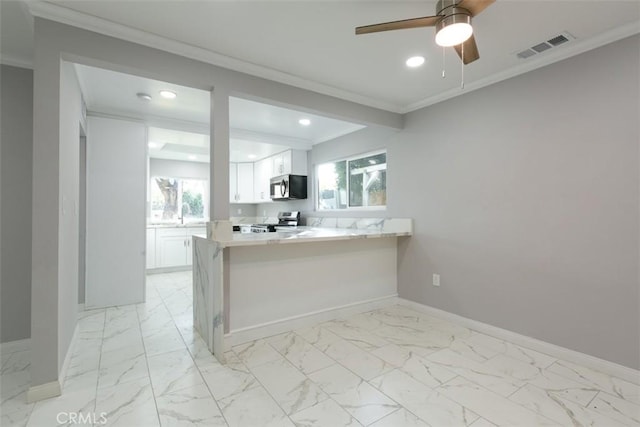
x=151, y=248
x=174, y=247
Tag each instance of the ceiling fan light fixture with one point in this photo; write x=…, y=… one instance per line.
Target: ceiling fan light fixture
x=454, y=29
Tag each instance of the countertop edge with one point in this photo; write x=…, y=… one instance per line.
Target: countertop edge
x=305, y=239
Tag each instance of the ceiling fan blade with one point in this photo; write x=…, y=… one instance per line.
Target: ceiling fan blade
x=427, y=21
x=475, y=6
x=470, y=50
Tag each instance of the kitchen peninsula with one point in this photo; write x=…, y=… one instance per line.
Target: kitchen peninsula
x=250, y=286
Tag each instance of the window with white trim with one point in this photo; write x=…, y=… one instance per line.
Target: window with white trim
x=354, y=183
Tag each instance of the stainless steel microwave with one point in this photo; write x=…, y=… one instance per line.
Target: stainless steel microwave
x=288, y=187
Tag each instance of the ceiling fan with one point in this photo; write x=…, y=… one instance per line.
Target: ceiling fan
x=453, y=25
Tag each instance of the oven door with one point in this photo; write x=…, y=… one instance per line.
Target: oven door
x=279, y=188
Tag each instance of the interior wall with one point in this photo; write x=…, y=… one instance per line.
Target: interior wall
x=16, y=110
x=525, y=200
x=361, y=142
x=178, y=168
x=54, y=41
x=243, y=210
x=82, y=221
x=69, y=236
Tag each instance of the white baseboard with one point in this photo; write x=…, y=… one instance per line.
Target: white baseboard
x=54, y=388
x=44, y=391
x=14, y=346
x=240, y=336
x=553, y=350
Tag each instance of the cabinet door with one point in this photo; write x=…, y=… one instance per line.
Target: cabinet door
x=233, y=182
x=245, y=183
x=278, y=165
x=298, y=162
x=286, y=162
x=201, y=231
x=173, y=251
x=263, y=171
x=151, y=248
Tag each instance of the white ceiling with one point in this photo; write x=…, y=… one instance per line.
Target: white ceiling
x=112, y=92
x=180, y=127
x=312, y=43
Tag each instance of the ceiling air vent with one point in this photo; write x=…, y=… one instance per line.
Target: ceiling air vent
x=525, y=54
x=542, y=47
x=545, y=45
x=558, y=40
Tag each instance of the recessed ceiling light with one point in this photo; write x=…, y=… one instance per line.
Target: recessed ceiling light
x=143, y=96
x=192, y=157
x=152, y=145
x=415, y=61
x=252, y=156
x=168, y=94
x=304, y=122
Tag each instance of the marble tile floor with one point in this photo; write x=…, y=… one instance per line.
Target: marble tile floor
x=142, y=365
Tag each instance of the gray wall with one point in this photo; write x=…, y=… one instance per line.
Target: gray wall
x=16, y=98
x=525, y=200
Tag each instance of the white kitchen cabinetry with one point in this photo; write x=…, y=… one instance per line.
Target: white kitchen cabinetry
x=151, y=248
x=174, y=247
x=241, y=182
x=290, y=162
x=263, y=171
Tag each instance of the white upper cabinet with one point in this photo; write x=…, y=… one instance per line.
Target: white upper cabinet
x=262, y=173
x=241, y=183
x=249, y=182
x=290, y=162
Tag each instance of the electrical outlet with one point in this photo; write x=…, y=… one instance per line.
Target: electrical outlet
x=264, y=213
x=239, y=211
x=436, y=280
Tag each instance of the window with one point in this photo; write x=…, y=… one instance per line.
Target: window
x=176, y=198
x=359, y=182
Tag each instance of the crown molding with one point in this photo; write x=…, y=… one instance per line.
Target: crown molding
x=197, y=127
x=576, y=47
x=150, y=120
x=63, y=15
x=15, y=61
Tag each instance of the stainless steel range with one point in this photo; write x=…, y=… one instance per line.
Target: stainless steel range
x=285, y=219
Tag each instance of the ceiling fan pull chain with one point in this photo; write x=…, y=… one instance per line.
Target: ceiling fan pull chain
x=462, y=66
x=443, y=67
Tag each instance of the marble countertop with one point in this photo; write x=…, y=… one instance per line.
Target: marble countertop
x=305, y=234
x=176, y=225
